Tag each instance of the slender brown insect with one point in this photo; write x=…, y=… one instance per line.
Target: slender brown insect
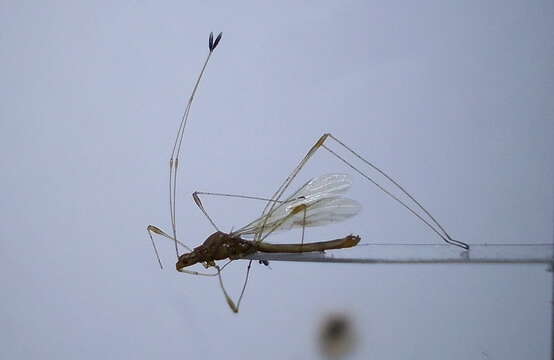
x=317, y=203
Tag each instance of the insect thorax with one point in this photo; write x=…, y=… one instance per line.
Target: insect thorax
x=217, y=246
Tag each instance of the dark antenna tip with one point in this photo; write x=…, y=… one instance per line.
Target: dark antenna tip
x=213, y=44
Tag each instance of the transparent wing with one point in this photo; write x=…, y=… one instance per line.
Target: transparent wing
x=314, y=204
x=324, y=185
x=324, y=211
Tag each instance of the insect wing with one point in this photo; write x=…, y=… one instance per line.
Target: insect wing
x=322, y=186
x=321, y=212
x=318, y=188
x=314, y=204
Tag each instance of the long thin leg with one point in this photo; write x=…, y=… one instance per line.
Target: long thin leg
x=277, y=195
x=153, y=229
x=244, y=285
x=174, y=159
x=149, y=231
x=230, y=302
x=240, y=196
x=205, y=274
x=444, y=235
x=303, y=224
x=173, y=171
x=196, y=197
x=190, y=272
x=437, y=228
x=227, y=297
x=232, y=305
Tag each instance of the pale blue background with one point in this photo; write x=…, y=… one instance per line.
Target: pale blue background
x=452, y=98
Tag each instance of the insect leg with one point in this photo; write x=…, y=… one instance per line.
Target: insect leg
x=431, y=222
x=227, y=297
x=153, y=229
x=303, y=224
x=196, y=197
x=246, y=282
x=437, y=227
x=190, y=272
x=230, y=302
x=197, y=194
x=283, y=187
x=174, y=159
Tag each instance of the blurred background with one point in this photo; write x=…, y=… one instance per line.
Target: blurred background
x=453, y=99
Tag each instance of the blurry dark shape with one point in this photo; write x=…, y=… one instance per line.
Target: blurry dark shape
x=337, y=336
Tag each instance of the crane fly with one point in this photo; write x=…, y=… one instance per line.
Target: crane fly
x=316, y=203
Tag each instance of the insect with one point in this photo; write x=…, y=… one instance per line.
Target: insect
x=317, y=203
